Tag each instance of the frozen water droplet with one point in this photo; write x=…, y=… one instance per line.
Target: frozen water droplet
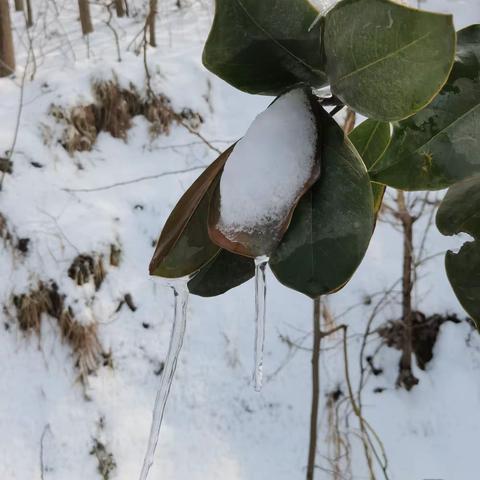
x=260, y=309
x=180, y=291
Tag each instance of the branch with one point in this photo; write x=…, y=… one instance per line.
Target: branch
x=317, y=338
x=136, y=180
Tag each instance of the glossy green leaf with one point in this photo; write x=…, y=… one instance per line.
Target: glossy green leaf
x=224, y=272
x=265, y=46
x=460, y=209
x=332, y=224
x=460, y=212
x=463, y=271
x=184, y=245
x=262, y=237
x=371, y=138
x=441, y=144
x=385, y=60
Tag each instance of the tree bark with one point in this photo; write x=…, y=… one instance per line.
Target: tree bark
x=7, y=53
x=152, y=15
x=29, y=14
x=317, y=338
x=406, y=378
x=120, y=7
x=19, y=5
x=85, y=17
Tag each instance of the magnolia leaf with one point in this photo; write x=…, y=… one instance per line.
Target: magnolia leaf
x=460, y=212
x=224, y=272
x=269, y=170
x=184, y=245
x=332, y=224
x=460, y=209
x=371, y=138
x=387, y=61
x=265, y=46
x=463, y=271
x=441, y=144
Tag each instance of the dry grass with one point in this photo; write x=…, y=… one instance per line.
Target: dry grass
x=84, y=342
x=5, y=233
x=115, y=255
x=10, y=238
x=87, y=267
x=106, y=464
x=45, y=299
x=113, y=111
x=425, y=333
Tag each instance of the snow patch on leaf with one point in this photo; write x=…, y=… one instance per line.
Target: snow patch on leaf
x=269, y=166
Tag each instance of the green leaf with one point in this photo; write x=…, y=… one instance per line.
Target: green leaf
x=460, y=212
x=333, y=223
x=371, y=138
x=224, y=272
x=262, y=237
x=441, y=144
x=184, y=245
x=265, y=46
x=460, y=209
x=385, y=60
x=463, y=271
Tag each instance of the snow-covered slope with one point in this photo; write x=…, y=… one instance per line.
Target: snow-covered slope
x=120, y=193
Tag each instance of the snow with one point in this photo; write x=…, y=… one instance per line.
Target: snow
x=215, y=426
x=269, y=166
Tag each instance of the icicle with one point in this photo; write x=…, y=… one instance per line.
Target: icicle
x=260, y=294
x=176, y=340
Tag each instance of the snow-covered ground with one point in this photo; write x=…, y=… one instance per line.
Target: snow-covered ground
x=216, y=425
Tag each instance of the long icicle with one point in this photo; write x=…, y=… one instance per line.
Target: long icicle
x=260, y=310
x=176, y=340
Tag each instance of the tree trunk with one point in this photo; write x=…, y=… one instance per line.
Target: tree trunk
x=29, y=14
x=406, y=378
x=19, y=5
x=152, y=15
x=85, y=18
x=119, y=6
x=7, y=53
x=317, y=338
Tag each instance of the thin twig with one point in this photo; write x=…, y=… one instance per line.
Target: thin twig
x=197, y=134
x=136, y=180
x=317, y=338
x=19, y=115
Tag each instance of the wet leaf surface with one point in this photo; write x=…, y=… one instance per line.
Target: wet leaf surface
x=460, y=212
x=460, y=209
x=371, y=138
x=332, y=224
x=441, y=144
x=224, y=272
x=463, y=271
x=184, y=245
x=265, y=46
x=387, y=61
